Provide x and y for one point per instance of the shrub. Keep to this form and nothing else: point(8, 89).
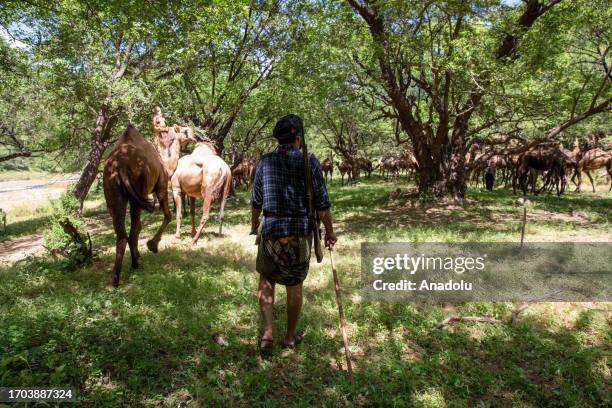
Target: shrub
point(63, 236)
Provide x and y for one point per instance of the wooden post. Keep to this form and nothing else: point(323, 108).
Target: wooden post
point(523, 225)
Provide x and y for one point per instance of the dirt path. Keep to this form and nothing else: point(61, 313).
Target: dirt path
point(20, 248)
point(23, 247)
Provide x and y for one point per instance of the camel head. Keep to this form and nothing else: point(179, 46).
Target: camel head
point(185, 134)
point(158, 119)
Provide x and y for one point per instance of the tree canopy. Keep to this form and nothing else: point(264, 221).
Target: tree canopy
point(431, 77)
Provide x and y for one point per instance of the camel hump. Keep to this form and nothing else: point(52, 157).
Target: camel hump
point(131, 133)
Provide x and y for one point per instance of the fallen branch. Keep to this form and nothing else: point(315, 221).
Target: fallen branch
point(515, 312)
point(485, 319)
point(452, 319)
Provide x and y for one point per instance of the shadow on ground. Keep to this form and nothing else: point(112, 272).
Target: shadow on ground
point(150, 343)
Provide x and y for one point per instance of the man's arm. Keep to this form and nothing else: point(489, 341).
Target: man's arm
point(321, 201)
point(330, 235)
point(256, 199)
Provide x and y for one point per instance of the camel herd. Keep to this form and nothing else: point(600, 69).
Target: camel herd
point(136, 168)
point(352, 167)
point(554, 163)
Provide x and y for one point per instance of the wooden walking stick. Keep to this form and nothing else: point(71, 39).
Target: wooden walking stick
point(347, 352)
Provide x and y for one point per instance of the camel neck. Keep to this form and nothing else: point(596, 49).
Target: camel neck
point(165, 142)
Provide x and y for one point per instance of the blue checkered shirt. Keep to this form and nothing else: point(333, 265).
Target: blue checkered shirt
point(279, 190)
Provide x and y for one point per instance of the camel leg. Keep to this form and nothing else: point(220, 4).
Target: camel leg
point(152, 244)
point(545, 182)
point(579, 173)
point(192, 212)
point(179, 213)
point(590, 179)
point(136, 227)
point(573, 179)
point(563, 182)
point(523, 180)
point(207, 196)
point(184, 200)
point(225, 191)
point(117, 211)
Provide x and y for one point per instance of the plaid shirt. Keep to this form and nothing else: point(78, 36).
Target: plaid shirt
point(279, 190)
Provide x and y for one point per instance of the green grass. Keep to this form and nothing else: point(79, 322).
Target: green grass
point(32, 223)
point(150, 342)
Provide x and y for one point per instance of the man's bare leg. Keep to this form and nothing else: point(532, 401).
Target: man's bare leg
point(294, 307)
point(266, 303)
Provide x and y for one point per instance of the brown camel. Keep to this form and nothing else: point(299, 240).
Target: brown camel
point(170, 148)
point(132, 171)
point(345, 167)
point(201, 174)
point(390, 165)
point(244, 172)
point(159, 123)
point(551, 160)
point(572, 157)
point(496, 163)
point(479, 168)
point(592, 160)
point(169, 139)
point(407, 162)
point(328, 167)
point(361, 163)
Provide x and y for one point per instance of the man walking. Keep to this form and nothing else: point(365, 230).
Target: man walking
point(283, 255)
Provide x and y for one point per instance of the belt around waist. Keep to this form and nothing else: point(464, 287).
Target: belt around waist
point(270, 214)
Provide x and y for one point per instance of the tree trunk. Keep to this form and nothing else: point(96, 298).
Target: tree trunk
point(442, 171)
point(99, 143)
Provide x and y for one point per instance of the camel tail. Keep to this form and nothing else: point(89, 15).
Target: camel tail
point(226, 186)
point(222, 179)
point(148, 205)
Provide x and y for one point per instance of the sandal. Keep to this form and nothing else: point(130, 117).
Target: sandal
point(296, 341)
point(265, 346)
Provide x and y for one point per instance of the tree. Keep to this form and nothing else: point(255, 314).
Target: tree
point(26, 130)
point(96, 54)
point(212, 76)
point(444, 68)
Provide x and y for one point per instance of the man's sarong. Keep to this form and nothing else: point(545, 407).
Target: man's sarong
point(284, 260)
